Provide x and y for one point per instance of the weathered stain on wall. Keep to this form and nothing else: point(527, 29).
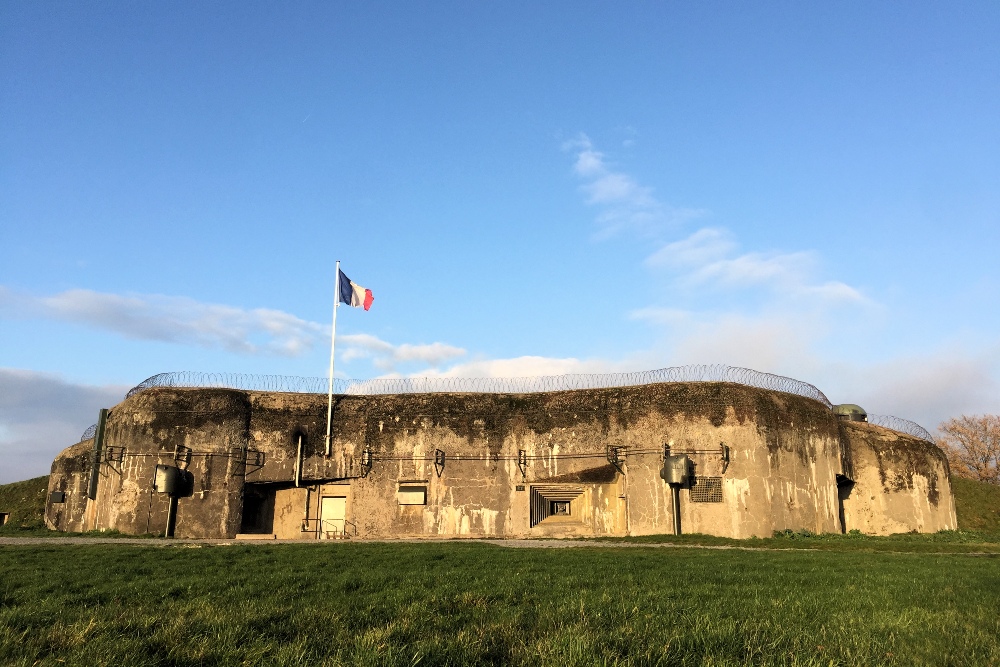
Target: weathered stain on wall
point(503, 465)
point(900, 484)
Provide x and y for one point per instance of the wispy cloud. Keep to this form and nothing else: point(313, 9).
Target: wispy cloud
point(711, 257)
point(927, 386)
point(387, 356)
point(173, 319)
point(773, 310)
point(526, 366)
point(624, 204)
point(182, 320)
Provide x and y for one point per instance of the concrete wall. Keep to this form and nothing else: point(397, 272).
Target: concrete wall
point(70, 474)
point(785, 455)
point(901, 483)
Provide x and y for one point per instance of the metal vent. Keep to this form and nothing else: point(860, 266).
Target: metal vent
point(706, 489)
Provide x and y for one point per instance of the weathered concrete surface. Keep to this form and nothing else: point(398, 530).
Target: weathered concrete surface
point(70, 474)
point(901, 483)
point(786, 453)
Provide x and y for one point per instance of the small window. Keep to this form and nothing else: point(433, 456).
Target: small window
point(559, 508)
point(58, 497)
point(706, 489)
point(411, 495)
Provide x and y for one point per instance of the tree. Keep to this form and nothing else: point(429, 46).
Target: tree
point(973, 446)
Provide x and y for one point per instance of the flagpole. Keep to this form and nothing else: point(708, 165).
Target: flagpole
point(333, 341)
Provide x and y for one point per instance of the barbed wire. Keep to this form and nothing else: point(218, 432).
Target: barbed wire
point(901, 425)
point(89, 433)
point(485, 385)
point(514, 385)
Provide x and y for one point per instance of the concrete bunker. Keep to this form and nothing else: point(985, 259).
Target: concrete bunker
point(582, 462)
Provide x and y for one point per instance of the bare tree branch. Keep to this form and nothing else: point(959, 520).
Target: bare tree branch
point(972, 445)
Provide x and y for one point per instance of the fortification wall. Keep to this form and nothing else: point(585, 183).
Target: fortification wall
point(69, 476)
point(785, 453)
point(901, 483)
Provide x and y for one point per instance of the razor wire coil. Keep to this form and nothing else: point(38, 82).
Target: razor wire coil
point(507, 385)
point(484, 385)
point(901, 425)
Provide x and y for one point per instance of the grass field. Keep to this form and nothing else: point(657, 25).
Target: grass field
point(791, 599)
point(977, 505)
point(25, 501)
point(459, 603)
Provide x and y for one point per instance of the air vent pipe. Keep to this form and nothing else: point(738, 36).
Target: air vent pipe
point(675, 473)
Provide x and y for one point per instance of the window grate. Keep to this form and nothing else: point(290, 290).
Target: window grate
point(706, 489)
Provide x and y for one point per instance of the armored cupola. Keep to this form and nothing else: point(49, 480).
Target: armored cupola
point(850, 412)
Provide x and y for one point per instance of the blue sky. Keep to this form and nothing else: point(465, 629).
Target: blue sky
point(806, 189)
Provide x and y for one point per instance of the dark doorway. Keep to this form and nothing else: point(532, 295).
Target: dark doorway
point(258, 509)
point(844, 487)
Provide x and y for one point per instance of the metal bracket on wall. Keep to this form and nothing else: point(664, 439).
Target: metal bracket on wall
point(182, 454)
point(522, 463)
point(725, 456)
point(366, 461)
point(616, 457)
point(114, 456)
point(254, 460)
point(439, 461)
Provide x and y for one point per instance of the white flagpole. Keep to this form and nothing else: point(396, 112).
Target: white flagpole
point(333, 341)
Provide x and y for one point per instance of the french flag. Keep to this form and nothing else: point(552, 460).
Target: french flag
point(353, 294)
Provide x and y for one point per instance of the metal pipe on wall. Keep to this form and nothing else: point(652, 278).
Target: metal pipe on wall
point(171, 517)
point(676, 498)
point(305, 511)
point(95, 466)
point(298, 464)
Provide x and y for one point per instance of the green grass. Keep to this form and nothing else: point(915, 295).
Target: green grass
point(801, 599)
point(25, 501)
point(460, 603)
point(977, 505)
point(946, 541)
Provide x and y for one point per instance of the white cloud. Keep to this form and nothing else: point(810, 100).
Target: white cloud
point(387, 356)
point(661, 315)
point(709, 257)
point(704, 246)
point(779, 343)
point(526, 366)
point(42, 414)
point(786, 317)
point(624, 203)
point(928, 388)
point(186, 321)
point(174, 319)
point(835, 291)
point(755, 268)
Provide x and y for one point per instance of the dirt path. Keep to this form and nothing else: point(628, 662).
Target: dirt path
point(511, 544)
point(188, 542)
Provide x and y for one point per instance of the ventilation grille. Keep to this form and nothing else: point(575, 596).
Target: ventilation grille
point(706, 490)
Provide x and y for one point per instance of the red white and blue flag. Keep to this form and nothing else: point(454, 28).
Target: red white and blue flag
point(353, 294)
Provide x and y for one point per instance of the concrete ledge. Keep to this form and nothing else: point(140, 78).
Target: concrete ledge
point(256, 536)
